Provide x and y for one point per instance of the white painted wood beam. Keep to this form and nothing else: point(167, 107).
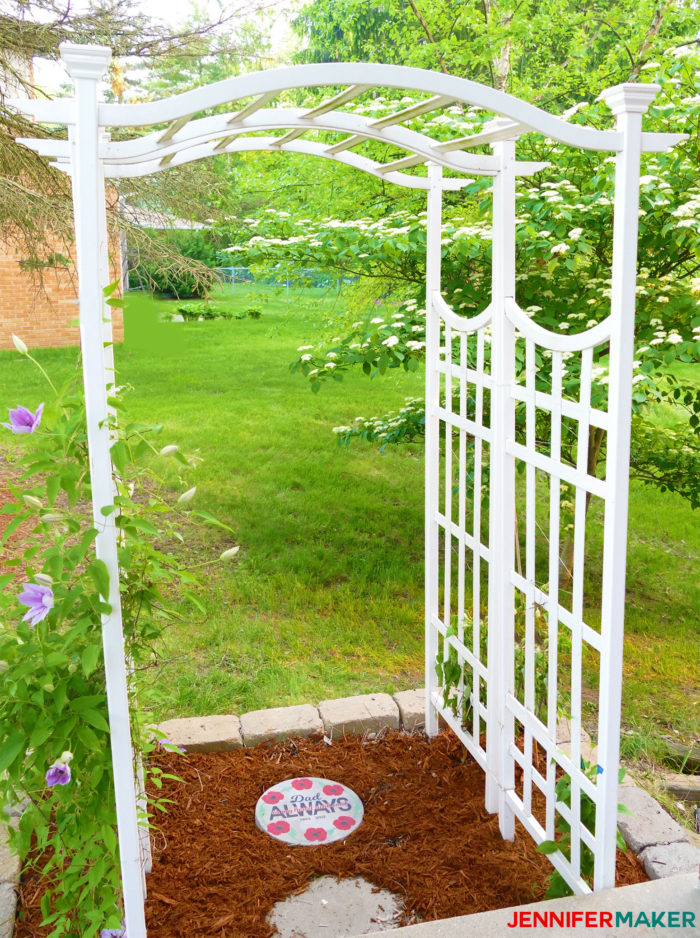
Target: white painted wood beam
point(377, 75)
point(264, 144)
point(269, 84)
point(408, 113)
point(45, 112)
point(405, 163)
point(338, 100)
point(353, 141)
point(254, 106)
point(176, 125)
point(46, 146)
point(289, 136)
point(504, 131)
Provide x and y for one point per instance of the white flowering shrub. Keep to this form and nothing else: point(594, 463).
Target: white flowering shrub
point(564, 253)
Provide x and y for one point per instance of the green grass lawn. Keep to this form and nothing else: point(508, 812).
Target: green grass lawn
point(326, 597)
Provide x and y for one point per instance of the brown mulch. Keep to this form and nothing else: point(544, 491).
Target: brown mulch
point(425, 836)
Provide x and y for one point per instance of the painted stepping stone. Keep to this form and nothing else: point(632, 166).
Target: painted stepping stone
point(309, 811)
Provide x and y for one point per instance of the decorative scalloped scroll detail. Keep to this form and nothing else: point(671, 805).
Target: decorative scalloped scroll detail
point(554, 340)
point(461, 323)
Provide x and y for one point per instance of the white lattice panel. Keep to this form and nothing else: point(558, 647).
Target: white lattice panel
point(461, 519)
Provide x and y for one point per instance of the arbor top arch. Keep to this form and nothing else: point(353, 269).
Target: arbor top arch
point(190, 137)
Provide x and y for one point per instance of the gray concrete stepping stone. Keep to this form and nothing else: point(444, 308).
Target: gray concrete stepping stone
point(332, 909)
point(9, 861)
point(683, 787)
point(648, 823)
point(8, 900)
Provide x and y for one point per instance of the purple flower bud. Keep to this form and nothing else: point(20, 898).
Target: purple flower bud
point(114, 932)
point(23, 420)
point(58, 774)
point(168, 743)
point(40, 602)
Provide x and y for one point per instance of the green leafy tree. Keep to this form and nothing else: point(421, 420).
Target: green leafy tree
point(235, 46)
point(564, 249)
point(548, 53)
point(36, 214)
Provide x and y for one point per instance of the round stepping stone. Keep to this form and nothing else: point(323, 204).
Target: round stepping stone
point(309, 811)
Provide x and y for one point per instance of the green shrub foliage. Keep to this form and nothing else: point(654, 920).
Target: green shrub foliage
point(55, 759)
point(179, 282)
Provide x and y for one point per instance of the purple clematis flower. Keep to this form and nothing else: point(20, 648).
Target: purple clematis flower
point(58, 774)
point(40, 602)
point(164, 741)
point(23, 420)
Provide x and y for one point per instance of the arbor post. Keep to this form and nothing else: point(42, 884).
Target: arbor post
point(628, 102)
point(86, 65)
point(433, 258)
point(499, 730)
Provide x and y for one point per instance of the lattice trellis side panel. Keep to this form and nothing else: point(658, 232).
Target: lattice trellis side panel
point(557, 497)
point(460, 524)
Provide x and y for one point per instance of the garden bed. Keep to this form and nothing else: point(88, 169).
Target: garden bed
point(426, 837)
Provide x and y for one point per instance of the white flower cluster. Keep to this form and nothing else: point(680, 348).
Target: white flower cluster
point(688, 213)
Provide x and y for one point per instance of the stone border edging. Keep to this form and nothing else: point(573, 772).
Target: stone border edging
point(9, 880)
point(661, 843)
point(366, 713)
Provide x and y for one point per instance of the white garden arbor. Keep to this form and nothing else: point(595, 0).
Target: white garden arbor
point(457, 553)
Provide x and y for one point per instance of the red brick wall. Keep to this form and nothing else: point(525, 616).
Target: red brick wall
point(41, 315)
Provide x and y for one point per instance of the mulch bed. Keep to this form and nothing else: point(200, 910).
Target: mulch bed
point(425, 836)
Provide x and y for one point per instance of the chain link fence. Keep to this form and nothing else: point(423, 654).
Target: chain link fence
point(283, 277)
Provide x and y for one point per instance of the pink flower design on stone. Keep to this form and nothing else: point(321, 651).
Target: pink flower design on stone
point(301, 784)
point(333, 789)
point(272, 797)
point(344, 823)
point(278, 827)
point(316, 834)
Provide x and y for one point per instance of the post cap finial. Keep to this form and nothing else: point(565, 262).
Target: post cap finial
point(85, 61)
point(630, 97)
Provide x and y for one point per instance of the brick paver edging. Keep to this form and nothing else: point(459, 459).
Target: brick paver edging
point(661, 843)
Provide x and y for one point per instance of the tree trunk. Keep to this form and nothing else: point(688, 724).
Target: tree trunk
point(595, 443)
point(500, 66)
point(651, 35)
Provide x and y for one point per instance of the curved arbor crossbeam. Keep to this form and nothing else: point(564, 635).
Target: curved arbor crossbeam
point(189, 137)
point(476, 437)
